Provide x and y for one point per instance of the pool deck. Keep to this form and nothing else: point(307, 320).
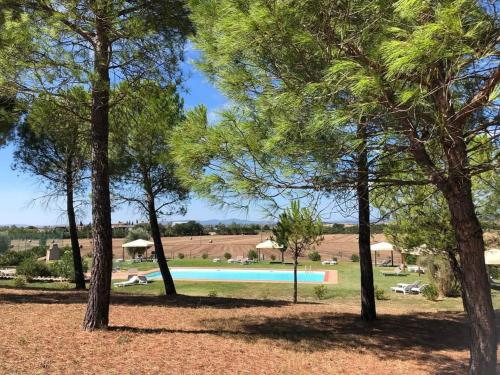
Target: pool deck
point(331, 276)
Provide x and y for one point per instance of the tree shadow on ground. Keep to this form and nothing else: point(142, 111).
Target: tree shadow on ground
point(51, 296)
point(417, 336)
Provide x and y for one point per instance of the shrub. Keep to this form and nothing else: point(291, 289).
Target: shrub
point(204, 256)
point(439, 270)
point(494, 272)
point(4, 242)
point(380, 294)
point(65, 266)
point(314, 256)
point(30, 268)
point(252, 254)
point(354, 258)
point(180, 255)
point(20, 281)
point(227, 255)
point(431, 292)
point(212, 293)
point(273, 257)
point(411, 259)
point(320, 291)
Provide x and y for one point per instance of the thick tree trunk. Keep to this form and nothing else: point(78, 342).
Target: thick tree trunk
point(295, 263)
point(475, 284)
point(97, 314)
point(73, 233)
point(168, 281)
point(368, 309)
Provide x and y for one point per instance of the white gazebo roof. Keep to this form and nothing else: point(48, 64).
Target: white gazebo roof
point(492, 256)
point(268, 244)
point(382, 246)
point(139, 243)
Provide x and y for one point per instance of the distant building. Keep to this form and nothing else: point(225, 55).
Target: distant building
point(122, 225)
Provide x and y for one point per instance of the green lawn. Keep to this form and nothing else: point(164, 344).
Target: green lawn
point(346, 291)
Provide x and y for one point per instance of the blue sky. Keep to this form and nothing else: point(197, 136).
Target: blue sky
point(19, 192)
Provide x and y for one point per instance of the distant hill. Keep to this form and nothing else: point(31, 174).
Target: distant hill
point(231, 221)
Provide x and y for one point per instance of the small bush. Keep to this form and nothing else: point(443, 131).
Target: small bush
point(431, 292)
point(411, 259)
point(494, 272)
point(180, 255)
point(335, 259)
point(65, 267)
point(320, 291)
point(20, 281)
point(314, 256)
point(252, 254)
point(14, 258)
point(354, 258)
point(212, 293)
point(32, 268)
point(227, 255)
point(273, 257)
point(380, 294)
point(204, 256)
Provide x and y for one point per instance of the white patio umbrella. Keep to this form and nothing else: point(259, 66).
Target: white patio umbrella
point(267, 244)
point(140, 243)
point(383, 246)
point(492, 257)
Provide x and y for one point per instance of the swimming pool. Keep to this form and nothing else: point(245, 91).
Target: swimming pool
point(218, 274)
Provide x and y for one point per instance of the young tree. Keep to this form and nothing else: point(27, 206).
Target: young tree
point(142, 127)
point(79, 41)
point(302, 232)
point(52, 145)
point(280, 235)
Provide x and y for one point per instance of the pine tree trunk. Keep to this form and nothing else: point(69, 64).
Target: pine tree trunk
point(97, 314)
point(368, 308)
point(73, 233)
point(295, 263)
point(168, 281)
point(474, 278)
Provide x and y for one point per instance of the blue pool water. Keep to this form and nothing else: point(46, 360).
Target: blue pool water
point(240, 275)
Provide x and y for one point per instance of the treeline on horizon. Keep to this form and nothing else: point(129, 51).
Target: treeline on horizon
point(190, 228)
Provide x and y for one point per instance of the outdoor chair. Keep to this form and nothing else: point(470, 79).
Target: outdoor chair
point(419, 288)
point(397, 272)
point(385, 263)
point(405, 288)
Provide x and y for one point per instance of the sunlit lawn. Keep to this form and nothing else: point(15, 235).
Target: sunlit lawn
point(346, 291)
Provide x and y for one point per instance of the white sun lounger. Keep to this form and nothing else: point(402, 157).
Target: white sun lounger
point(405, 288)
point(132, 281)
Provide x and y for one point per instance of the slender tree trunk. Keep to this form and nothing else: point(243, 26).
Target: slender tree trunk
point(282, 257)
point(168, 281)
point(368, 308)
point(295, 263)
point(476, 291)
point(73, 233)
point(97, 314)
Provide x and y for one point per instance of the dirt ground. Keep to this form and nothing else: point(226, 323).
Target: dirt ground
point(341, 246)
point(41, 333)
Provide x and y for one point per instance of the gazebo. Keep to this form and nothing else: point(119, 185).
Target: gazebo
point(383, 246)
point(140, 244)
point(267, 244)
point(492, 257)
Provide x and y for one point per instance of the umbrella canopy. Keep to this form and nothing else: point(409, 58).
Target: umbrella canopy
point(492, 257)
point(382, 246)
point(268, 244)
point(139, 243)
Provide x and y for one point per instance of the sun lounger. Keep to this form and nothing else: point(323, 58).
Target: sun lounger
point(385, 263)
point(397, 272)
point(232, 261)
point(405, 288)
point(216, 260)
point(132, 281)
point(329, 262)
